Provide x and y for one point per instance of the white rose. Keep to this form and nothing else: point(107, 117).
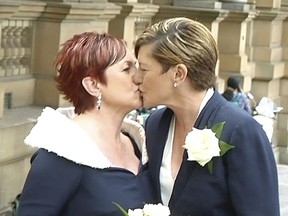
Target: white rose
point(201, 145)
point(156, 210)
point(135, 212)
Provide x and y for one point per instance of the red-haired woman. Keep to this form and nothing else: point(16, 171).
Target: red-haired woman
point(95, 157)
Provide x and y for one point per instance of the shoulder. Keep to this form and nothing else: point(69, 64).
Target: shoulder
point(44, 163)
point(241, 96)
point(158, 121)
point(237, 122)
point(157, 125)
point(160, 114)
point(228, 94)
point(245, 133)
point(50, 170)
point(52, 181)
point(56, 133)
point(236, 118)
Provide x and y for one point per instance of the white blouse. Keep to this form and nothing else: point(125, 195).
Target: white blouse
point(166, 179)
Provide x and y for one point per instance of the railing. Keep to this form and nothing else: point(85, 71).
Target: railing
point(15, 48)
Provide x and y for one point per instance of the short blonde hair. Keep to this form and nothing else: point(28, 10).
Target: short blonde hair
point(183, 41)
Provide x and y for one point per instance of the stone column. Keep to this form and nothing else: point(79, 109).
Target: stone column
point(56, 23)
point(230, 25)
point(2, 92)
point(232, 43)
point(132, 20)
point(282, 129)
point(209, 16)
point(267, 55)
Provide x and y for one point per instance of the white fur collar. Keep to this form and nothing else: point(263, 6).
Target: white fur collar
point(55, 132)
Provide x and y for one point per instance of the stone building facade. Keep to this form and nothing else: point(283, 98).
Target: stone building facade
point(252, 36)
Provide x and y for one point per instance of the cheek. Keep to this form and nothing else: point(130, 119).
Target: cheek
point(126, 81)
point(121, 86)
point(150, 80)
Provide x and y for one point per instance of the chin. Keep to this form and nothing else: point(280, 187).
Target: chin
point(137, 105)
point(147, 105)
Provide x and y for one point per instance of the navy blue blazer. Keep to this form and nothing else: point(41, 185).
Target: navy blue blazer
point(244, 180)
point(57, 186)
point(70, 175)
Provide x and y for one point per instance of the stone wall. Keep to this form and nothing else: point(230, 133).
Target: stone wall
point(14, 160)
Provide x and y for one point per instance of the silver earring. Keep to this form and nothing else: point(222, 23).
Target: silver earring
point(99, 101)
point(175, 85)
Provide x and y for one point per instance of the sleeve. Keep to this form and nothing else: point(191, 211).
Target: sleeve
point(252, 171)
point(51, 182)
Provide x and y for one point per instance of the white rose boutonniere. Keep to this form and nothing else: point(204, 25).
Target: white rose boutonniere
point(148, 210)
point(203, 145)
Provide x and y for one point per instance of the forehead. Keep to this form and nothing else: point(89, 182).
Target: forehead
point(145, 54)
point(129, 57)
point(128, 60)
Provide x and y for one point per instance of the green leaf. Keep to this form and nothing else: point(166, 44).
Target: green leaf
point(224, 147)
point(125, 213)
point(217, 129)
point(210, 166)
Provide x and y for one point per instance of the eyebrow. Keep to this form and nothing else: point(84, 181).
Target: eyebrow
point(143, 64)
point(129, 63)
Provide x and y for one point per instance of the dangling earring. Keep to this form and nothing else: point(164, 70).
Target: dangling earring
point(99, 101)
point(175, 85)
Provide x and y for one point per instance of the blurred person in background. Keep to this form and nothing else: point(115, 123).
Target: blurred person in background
point(234, 94)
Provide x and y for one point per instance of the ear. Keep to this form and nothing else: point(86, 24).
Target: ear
point(180, 73)
point(91, 86)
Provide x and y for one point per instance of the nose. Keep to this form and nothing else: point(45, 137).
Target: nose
point(138, 77)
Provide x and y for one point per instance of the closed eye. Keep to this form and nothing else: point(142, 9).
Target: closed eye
point(127, 69)
point(143, 69)
point(130, 68)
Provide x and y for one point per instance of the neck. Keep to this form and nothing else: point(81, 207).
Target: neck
point(186, 109)
point(101, 124)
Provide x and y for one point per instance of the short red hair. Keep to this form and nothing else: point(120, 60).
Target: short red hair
point(83, 55)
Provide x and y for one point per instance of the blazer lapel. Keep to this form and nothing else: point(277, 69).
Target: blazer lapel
point(208, 113)
point(157, 129)
point(185, 172)
point(187, 168)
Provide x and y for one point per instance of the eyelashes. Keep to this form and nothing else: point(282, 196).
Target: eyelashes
point(127, 69)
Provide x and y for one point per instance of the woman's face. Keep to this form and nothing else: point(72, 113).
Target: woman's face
point(155, 86)
point(121, 91)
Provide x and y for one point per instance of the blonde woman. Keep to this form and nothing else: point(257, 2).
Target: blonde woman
point(196, 174)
